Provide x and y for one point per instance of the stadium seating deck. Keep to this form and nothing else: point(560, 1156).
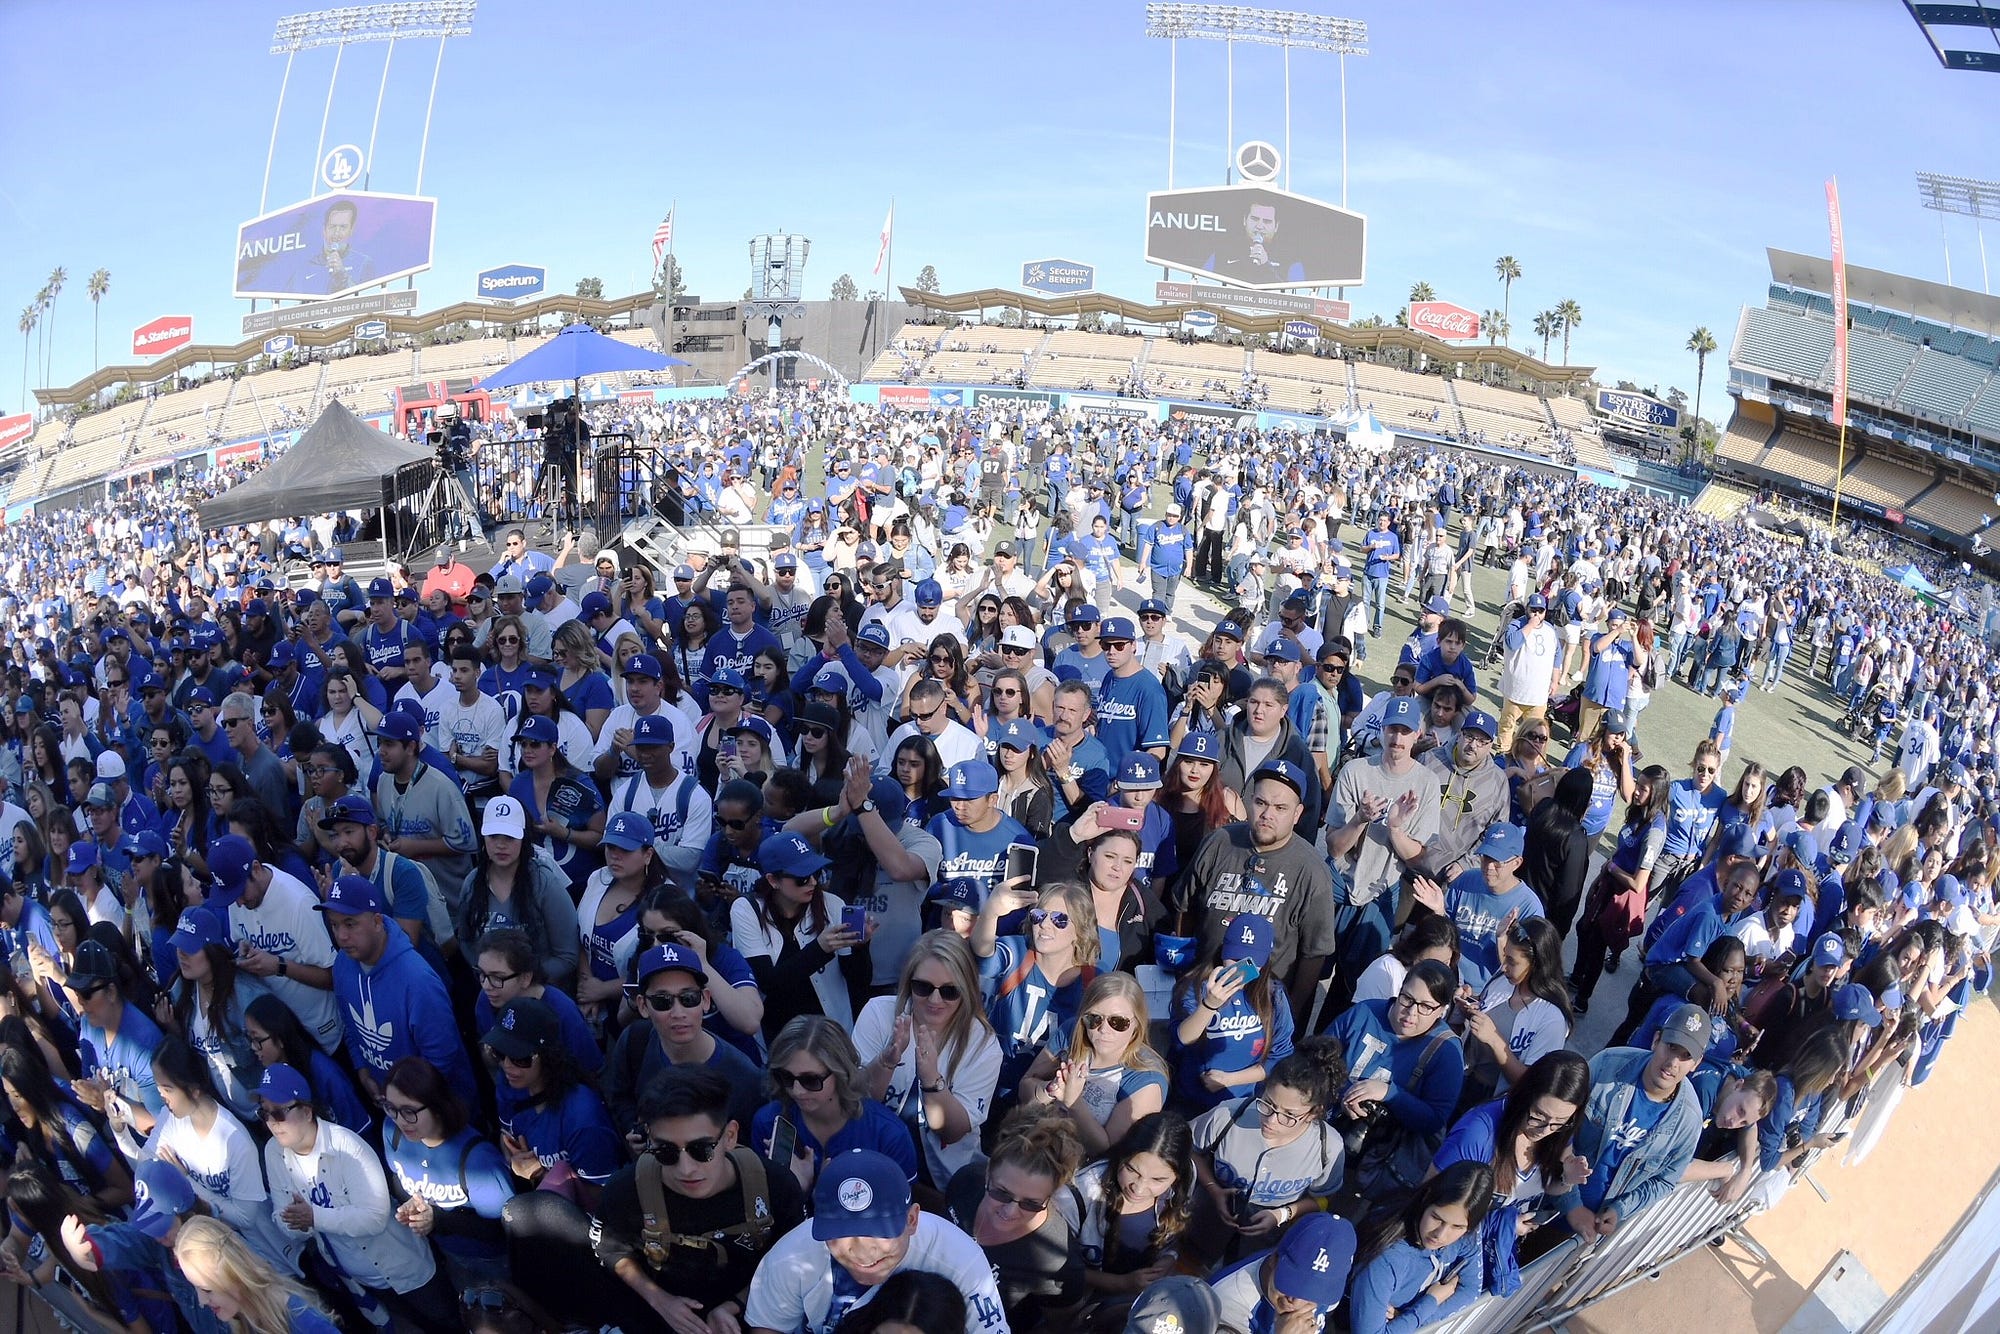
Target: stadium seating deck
point(1570, 413)
point(1506, 431)
point(1371, 375)
point(383, 368)
point(1955, 508)
point(111, 422)
point(193, 410)
point(1876, 364)
point(1942, 384)
point(1743, 440)
point(971, 367)
point(1209, 357)
point(1721, 499)
point(1506, 402)
point(1809, 461)
point(478, 354)
point(1794, 346)
point(1884, 483)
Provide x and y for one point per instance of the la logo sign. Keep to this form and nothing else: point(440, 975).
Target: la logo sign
point(169, 333)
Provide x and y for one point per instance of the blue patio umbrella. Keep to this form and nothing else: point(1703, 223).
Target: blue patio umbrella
point(578, 351)
point(1910, 577)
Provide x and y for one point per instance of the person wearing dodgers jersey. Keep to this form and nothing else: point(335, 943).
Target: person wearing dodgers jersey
point(864, 1229)
point(974, 834)
point(1132, 707)
point(1305, 1274)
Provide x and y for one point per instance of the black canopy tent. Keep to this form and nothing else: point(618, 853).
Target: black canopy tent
point(339, 463)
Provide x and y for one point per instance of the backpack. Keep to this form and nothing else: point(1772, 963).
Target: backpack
point(436, 915)
point(1378, 1146)
point(680, 802)
point(656, 1230)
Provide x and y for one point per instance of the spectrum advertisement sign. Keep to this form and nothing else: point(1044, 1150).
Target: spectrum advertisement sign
point(335, 244)
point(513, 282)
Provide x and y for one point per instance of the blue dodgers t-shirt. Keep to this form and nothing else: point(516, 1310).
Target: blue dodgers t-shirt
point(1132, 713)
point(1610, 675)
point(1234, 1040)
point(1690, 935)
point(973, 855)
point(1167, 554)
point(1383, 548)
point(1478, 912)
point(576, 1131)
point(876, 1128)
point(1691, 816)
point(1603, 790)
point(464, 1172)
point(1024, 1005)
point(506, 684)
point(1640, 1117)
point(125, 1062)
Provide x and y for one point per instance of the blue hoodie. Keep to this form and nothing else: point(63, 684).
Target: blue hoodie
point(1397, 1278)
point(399, 1008)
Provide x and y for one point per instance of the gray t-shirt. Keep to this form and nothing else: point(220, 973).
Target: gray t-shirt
point(1297, 894)
point(431, 807)
point(1233, 1137)
point(1372, 867)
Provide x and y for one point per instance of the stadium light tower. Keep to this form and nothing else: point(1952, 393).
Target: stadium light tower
point(1967, 198)
point(1283, 28)
point(339, 28)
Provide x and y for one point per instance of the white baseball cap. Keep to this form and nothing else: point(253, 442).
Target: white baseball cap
point(1017, 636)
point(504, 816)
point(110, 764)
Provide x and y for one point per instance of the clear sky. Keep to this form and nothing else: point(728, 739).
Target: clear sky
point(1635, 157)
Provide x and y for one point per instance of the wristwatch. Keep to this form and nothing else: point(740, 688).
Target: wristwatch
point(281, 968)
point(867, 804)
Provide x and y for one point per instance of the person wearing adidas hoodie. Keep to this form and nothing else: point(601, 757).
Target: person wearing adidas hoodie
point(392, 1002)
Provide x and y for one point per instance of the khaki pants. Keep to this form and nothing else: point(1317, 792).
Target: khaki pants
point(1588, 716)
point(1511, 717)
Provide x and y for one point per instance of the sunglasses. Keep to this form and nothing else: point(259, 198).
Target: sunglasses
point(814, 730)
point(663, 1002)
point(1012, 649)
point(1334, 668)
point(271, 1114)
point(737, 824)
point(514, 1062)
point(1004, 1197)
point(669, 1153)
point(1152, 616)
point(923, 990)
point(1119, 1023)
point(1055, 917)
point(506, 639)
point(786, 1079)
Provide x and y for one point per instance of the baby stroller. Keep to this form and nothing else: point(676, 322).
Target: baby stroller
point(1497, 650)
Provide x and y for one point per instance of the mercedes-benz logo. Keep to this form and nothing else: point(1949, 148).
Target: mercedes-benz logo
point(1257, 161)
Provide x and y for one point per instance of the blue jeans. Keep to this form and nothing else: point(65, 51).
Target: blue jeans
point(1378, 598)
point(1775, 671)
point(1677, 651)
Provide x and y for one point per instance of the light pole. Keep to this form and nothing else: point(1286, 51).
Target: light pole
point(1966, 197)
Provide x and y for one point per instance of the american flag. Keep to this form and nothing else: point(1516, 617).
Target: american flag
point(663, 239)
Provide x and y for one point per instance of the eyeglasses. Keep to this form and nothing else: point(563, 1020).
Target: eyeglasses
point(663, 1002)
point(504, 640)
point(1536, 1121)
point(487, 979)
point(1003, 1197)
point(669, 1153)
point(1419, 1006)
point(1054, 917)
point(1284, 1116)
point(221, 790)
point(272, 1114)
point(405, 1114)
point(1120, 1023)
point(1152, 616)
point(923, 990)
point(785, 1079)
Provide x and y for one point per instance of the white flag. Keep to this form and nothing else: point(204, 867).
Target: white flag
point(888, 226)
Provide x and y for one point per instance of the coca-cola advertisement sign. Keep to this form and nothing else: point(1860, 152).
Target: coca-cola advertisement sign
point(1441, 319)
point(166, 334)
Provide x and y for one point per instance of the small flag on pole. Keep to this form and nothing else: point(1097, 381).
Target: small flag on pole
point(663, 239)
point(888, 226)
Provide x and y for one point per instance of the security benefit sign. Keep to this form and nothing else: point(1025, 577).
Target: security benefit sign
point(1058, 276)
point(1256, 236)
point(334, 244)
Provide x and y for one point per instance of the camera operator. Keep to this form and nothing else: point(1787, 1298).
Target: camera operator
point(456, 448)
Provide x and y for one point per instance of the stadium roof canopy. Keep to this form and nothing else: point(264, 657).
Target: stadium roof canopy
point(1955, 307)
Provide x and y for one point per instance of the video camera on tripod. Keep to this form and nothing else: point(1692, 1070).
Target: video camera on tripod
point(451, 439)
point(564, 431)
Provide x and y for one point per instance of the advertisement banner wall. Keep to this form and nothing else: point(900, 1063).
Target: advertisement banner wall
point(1058, 276)
point(1638, 408)
point(14, 430)
point(334, 244)
point(1277, 303)
point(513, 282)
point(169, 333)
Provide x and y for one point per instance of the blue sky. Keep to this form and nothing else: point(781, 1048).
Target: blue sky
point(1635, 157)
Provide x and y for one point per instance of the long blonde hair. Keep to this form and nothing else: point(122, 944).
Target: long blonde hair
point(1077, 901)
point(213, 1256)
point(1139, 1053)
point(949, 949)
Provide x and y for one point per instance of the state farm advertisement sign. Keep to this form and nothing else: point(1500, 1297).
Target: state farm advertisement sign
point(13, 430)
point(1441, 319)
point(169, 333)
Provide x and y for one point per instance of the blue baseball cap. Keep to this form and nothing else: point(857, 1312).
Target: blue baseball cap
point(333, 556)
point(1437, 606)
point(1854, 1001)
point(683, 572)
point(1502, 841)
point(1230, 626)
point(354, 896)
point(652, 730)
point(281, 656)
point(229, 861)
point(540, 678)
point(874, 633)
point(1950, 889)
point(594, 605)
point(784, 561)
point(1536, 602)
point(161, 1193)
point(399, 726)
point(1201, 744)
point(82, 856)
point(197, 929)
point(628, 830)
point(1314, 1259)
point(282, 1086)
point(350, 809)
point(1152, 607)
point(929, 593)
point(1403, 711)
point(670, 958)
point(1480, 721)
point(1829, 951)
point(1138, 770)
point(1116, 628)
point(1789, 883)
point(889, 798)
point(1247, 937)
point(1083, 613)
point(643, 664)
point(201, 696)
point(960, 892)
point(728, 678)
point(145, 843)
point(540, 586)
point(380, 588)
point(786, 853)
point(970, 779)
point(1739, 841)
point(860, 1193)
point(540, 727)
point(831, 679)
point(1020, 733)
point(1284, 771)
point(760, 727)
point(1801, 844)
point(1283, 649)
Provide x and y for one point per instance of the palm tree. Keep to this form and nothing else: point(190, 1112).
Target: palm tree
point(1701, 342)
point(1422, 291)
point(1571, 315)
point(1508, 268)
point(57, 277)
point(100, 283)
point(1496, 326)
point(42, 336)
point(1547, 325)
point(29, 318)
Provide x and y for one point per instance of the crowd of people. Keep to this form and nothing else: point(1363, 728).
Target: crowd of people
point(909, 926)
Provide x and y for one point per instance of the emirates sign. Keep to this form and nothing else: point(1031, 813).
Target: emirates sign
point(169, 333)
point(1441, 319)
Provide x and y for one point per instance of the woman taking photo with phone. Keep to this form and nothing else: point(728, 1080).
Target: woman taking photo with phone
point(1264, 1160)
point(1230, 1024)
point(819, 1107)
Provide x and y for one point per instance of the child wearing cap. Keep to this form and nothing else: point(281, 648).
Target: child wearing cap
point(1231, 1024)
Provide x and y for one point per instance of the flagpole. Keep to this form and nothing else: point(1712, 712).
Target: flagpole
point(672, 209)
